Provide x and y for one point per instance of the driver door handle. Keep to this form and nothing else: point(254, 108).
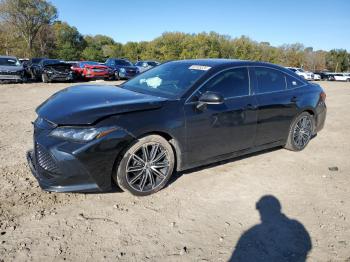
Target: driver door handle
point(294, 99)
point(250, 107)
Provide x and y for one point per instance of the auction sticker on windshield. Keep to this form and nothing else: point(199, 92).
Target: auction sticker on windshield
point(199, 67)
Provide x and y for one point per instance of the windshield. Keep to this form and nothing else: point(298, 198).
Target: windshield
point(169, 80)
point(301, 70)
point(88, 63)
point(123, 63)
point(9, 62)
point(51, 61)
point(152, 63)
point(36, 60)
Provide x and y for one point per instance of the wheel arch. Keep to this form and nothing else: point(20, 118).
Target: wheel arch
point(174, 145)
point(308, 110)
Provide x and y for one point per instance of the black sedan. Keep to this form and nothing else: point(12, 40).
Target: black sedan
point(48, 70)
point(176, 116)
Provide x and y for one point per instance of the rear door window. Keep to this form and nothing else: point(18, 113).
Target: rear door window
point(269, 80)
point(292, 82)
point(230, 83)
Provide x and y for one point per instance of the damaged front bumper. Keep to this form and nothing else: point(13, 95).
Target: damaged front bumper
point(11, 77)
point(66, 166)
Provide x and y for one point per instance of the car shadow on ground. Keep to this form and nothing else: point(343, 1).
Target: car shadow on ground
point(116, 189)
point(276, 238)
point(177, 175)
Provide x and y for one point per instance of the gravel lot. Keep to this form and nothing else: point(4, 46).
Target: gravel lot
point(200, 216)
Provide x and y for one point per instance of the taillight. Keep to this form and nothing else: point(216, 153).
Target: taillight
point(323, 96)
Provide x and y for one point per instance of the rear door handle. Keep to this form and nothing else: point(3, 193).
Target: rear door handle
point(294, 99)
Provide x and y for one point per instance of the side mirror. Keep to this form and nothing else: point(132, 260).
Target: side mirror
point(209, 98)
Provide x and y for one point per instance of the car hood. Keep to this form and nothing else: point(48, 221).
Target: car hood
point(86, 104)
point(57, 65)
point(128, 67)
point(96, 66)
point(10, 68)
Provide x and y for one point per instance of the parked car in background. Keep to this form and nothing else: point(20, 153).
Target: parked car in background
point(301, 72)
point(341, 77)
point(48, 70)
point(173, 117)
point(32, 67)
point(89, 70)
point(122, 68)
point(11, 69)
point(317, 77)
point(145, 65)
point(325, 76)
point(23, 61)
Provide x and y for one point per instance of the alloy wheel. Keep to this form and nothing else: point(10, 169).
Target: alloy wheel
point(302, 132)
point(147, 167)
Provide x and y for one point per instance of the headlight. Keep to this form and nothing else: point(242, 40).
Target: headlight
point(81, 134)
point(122, 70)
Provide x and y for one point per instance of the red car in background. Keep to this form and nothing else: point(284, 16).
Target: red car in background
point(92, 70)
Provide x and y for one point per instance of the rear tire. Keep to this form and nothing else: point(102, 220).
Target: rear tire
point(300, 132)
point(146, 166)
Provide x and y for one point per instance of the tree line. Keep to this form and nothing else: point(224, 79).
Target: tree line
point(30, 28)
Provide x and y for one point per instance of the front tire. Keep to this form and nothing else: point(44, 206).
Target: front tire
point(44, 78)
point(116, 76)
point(146, 166)
point(300, 132)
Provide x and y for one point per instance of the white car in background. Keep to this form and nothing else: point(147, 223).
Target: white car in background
point(317, 77)
point(341, 77)
point(299, 71)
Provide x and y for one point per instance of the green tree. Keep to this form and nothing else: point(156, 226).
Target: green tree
point(99, 47)
point(45, 42)
point(293, 55)
point(69, 43)
point(132, 51)
point(27, 17)
point(337, 60)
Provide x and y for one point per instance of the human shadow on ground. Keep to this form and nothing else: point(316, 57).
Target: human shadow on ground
point(276, 238)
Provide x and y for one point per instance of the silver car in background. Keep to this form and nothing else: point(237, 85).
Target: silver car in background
point(145, 65)
point(11, 69)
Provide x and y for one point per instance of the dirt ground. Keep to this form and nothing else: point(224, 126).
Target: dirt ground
point(201, 216)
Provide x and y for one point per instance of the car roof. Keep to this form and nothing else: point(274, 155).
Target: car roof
point(226, 62)
point(125, 59)
point(87, 61)
point(51, 59)
point(8, 57)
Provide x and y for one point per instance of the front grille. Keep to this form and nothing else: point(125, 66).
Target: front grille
point(7, 73)
point(10, 77)
point(45, 160)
